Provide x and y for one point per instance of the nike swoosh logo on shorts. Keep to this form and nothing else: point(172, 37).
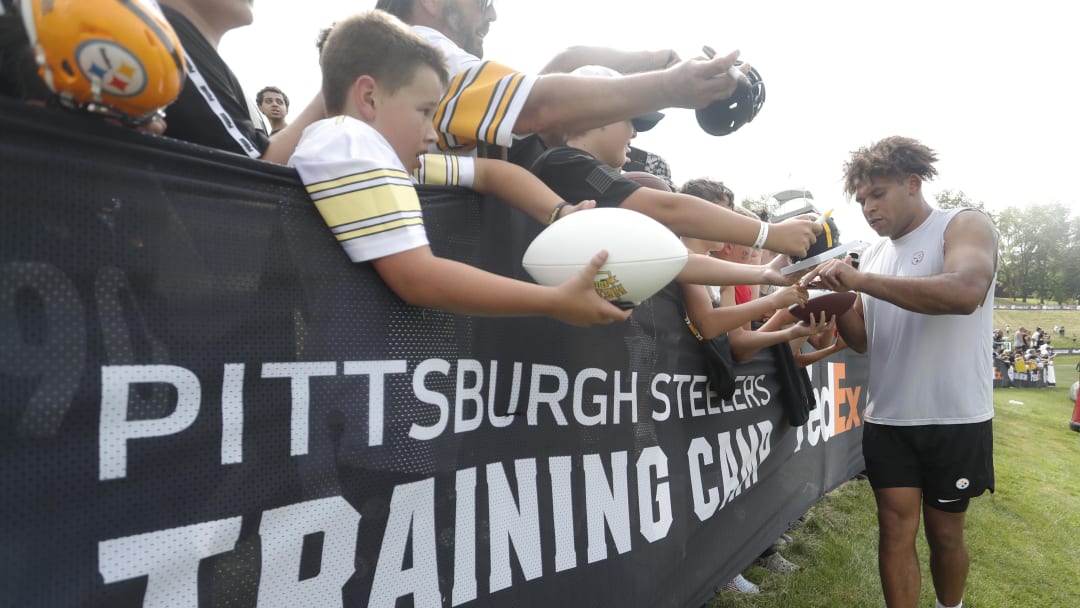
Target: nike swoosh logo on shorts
point(950, 500)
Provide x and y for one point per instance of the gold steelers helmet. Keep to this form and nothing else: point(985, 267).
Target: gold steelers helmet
point(116, 57)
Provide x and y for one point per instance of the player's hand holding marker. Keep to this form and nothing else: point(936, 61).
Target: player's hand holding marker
point(834, 275)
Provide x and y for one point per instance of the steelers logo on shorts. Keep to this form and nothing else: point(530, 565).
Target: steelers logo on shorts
point(962, 483)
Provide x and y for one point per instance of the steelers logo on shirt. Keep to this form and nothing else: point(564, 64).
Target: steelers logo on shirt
point(962, 483)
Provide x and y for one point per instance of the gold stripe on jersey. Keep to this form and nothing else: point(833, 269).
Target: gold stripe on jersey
point(379, 228)
point(439, 170)
point(512, 85)
point(475, 106)
point(357, 178)
point(368, 204)
point(447, 105)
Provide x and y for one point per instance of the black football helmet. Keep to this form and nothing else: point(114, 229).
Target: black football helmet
point(728, 115)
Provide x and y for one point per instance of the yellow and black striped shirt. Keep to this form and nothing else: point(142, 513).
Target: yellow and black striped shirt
point(483, 101)
point(362, 190)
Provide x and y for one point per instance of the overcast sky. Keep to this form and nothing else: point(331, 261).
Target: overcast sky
point(992, 86)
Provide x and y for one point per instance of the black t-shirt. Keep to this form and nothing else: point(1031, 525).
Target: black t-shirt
point(525, 150)
point(18, 70)
point(190, 118)
point(575, 175)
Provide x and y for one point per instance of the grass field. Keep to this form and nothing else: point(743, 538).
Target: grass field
point(1022, 539)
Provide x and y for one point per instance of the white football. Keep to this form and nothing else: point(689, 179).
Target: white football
point(643, 255)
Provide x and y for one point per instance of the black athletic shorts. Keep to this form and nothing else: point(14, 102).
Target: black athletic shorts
point(950, 462)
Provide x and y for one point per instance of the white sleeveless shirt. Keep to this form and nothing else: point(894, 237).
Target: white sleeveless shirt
point(925, 369)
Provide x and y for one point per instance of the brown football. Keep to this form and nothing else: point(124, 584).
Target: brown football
point(833, 304)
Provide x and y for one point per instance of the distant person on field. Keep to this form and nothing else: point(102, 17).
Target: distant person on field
point(384, 82)
point(925, 313)
point(274, 105)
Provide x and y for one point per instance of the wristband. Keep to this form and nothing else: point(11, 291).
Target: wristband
point(555, 212)
point(763, 233)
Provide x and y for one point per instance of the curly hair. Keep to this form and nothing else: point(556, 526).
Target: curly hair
point(710, 190)
point(895, 157)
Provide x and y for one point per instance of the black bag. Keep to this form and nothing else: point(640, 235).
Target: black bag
point(796, 393)
point(719, 364)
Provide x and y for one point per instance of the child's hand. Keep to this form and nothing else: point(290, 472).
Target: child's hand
point(792, 236)
point(579, 304)
point(786, 296)
point(828, 329)
point(814, 326)
point(568, 209)
point(770, 273)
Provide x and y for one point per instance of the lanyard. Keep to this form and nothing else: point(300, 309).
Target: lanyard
point(216, 108)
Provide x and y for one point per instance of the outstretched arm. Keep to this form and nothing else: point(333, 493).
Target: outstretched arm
point(746, 342)
point(517, 187)
point(691, 216)
point(624, 62)
point(707, 270)
point(420, 278)
point(712, 322)
point(574, 103)
point(804, 359)
point(961, 287)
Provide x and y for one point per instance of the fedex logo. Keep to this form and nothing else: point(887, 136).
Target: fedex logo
point(839, 407)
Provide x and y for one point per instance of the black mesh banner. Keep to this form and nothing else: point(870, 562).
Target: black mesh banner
point(205, 404)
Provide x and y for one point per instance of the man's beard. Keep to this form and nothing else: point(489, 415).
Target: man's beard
point(457, 24)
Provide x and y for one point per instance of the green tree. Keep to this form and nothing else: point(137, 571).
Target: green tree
point(760, 204)
point(953, 199)
point(770, 203)
point(1014, 251)
point(1053, 238)
point(1035, 247)
point(1068, 288)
